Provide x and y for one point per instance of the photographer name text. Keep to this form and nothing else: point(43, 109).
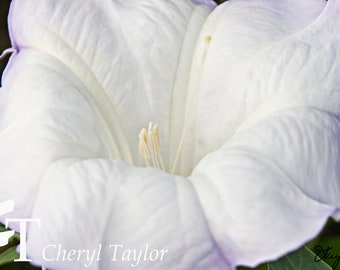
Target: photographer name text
point(119, 253)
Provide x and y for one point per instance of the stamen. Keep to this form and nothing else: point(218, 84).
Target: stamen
point(152, 146)
point(6, 52)
point(156, 132)
point(149, 146)
point(143, 146)
point(158, 142)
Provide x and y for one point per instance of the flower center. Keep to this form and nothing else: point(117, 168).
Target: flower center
point(149, 144)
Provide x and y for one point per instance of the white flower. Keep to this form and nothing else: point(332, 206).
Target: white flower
point(247, 103)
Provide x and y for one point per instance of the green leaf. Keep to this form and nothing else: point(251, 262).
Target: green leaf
point(16, 235)
point(8, 256)
point(2, 228)
point(301, 259)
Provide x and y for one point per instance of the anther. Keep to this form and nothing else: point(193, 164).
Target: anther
point(156, 132)
point(143, 146)
point(157, 139)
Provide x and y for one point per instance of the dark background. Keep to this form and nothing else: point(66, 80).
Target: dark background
point(4, 39)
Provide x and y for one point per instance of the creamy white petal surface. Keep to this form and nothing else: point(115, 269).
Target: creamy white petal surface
point(276, 98)
point(249, 95)
point(265, 56)
point(132, 57)
point(108, 202)
point(270, 186)
point(88, 78)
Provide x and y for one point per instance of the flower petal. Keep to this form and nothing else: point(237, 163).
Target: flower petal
point(272, 187)
point(264, 56)
point(274, 180)
point(134, 69)
point(85, 203)
point(41, 127)
point(85, 79)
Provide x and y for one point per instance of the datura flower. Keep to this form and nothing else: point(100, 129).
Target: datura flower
point(209, 133)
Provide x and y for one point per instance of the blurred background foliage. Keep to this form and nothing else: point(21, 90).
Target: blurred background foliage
point(329, 237)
